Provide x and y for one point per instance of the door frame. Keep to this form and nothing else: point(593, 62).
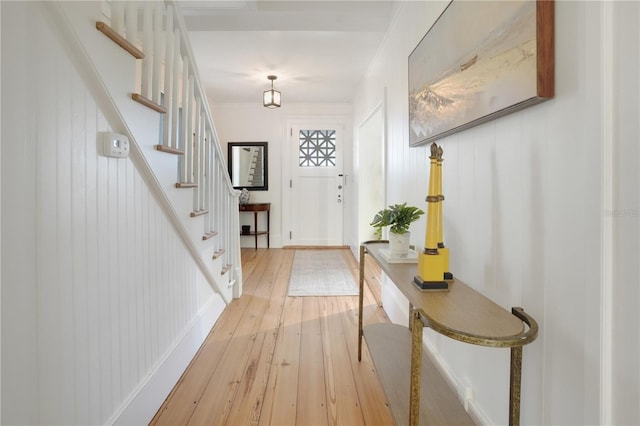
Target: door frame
point(347, 152)
point(365, 217)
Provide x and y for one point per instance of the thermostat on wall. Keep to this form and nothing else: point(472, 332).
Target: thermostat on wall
point(115, 145)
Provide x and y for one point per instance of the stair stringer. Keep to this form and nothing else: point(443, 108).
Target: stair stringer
point(109, 72)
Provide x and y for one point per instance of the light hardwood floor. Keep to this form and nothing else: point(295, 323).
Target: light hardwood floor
point(277, 360)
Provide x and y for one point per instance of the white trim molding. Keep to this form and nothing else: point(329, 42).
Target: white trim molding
point(607, 187)
point(141, 406)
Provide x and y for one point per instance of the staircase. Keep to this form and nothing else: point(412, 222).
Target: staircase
point(117, 268)
point(175, 140)
point(256, 173)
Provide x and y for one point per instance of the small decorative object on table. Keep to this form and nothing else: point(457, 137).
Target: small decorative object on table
point(433, 262)
point(246, 229)
point(245, 195)
point(399, 217)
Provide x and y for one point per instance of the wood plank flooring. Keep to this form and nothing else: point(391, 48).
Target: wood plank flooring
point(277, 360)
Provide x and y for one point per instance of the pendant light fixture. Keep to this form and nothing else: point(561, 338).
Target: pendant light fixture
point(271, 98)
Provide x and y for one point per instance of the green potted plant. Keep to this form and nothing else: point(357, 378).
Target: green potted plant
point(399, 217)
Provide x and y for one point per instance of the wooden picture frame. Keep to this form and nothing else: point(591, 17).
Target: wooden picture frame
point(248, 164)
point(480, 61)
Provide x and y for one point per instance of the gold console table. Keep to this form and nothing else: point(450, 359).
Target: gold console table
point(460, 313)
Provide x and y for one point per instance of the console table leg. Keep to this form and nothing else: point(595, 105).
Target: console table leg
point(411, 317)
point(255, 227)
point(416, 367)
point(360, 301)
point(514, 386)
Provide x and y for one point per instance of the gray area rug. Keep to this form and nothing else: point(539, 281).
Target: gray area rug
point(321, 273)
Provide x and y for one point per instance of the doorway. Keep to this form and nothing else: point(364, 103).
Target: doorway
point(371, 170)
point(314, 195)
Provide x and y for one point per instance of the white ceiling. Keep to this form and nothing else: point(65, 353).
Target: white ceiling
point(319, 49)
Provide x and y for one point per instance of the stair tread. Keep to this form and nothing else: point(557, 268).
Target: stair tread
point(119, 40)
point(169, 150)
point(148, 103)
point(186, 185)
point(209, 235)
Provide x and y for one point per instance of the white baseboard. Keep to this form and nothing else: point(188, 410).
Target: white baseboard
point(395, 304)
point(462, 389)
point(143, 404)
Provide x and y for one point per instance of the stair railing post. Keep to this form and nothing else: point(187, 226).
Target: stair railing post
point(226, 226)
point(189, 127)
point(198, 163)
point(147, 46)
point(207, 181)
point(213, 181)
point(131, 22)
point(206, 161)
point(175, 73)
point(202, 162)
point(218, 207)
point(117, 16)
point(196, 155)
point(237, 256)
point(168, 79)
point(185, 137)
point(155, 88)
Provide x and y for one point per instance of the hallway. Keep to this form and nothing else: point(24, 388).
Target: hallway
point(273, 359)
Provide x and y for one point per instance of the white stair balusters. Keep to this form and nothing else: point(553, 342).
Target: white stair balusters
point(169, 79)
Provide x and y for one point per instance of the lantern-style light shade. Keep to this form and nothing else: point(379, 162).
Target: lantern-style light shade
point(271, 98)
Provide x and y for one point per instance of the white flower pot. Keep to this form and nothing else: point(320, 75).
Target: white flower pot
point(399, 243)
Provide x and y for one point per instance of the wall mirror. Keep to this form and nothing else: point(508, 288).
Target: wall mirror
point(248, 165)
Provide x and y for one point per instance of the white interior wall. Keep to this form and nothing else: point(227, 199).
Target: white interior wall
point(528, 233)
point(102, 304)
point(0, 220)
point(524, 218)
point(253, 122)
point(623, 216)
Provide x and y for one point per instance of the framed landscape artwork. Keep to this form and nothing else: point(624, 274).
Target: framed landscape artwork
point(480, 60)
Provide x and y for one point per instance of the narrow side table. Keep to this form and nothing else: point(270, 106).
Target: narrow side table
point(462, 314)
point(256, 208)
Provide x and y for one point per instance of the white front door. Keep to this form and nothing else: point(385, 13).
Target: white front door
point(316, 188)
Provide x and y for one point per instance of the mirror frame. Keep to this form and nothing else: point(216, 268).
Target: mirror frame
point(265, 157)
